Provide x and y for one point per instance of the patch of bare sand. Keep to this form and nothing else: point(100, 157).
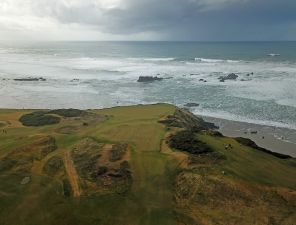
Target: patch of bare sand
point(72, 174)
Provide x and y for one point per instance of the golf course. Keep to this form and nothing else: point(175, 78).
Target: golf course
point(137, 165)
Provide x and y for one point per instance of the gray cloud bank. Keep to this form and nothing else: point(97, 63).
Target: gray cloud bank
point(201, 20)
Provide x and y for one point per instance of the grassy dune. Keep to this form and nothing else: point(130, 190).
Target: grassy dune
point(61, 174)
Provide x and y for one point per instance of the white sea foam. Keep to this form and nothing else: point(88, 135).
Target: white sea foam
point(104, 81)
point(273, 54)
point(237, 118)
point(216, 60)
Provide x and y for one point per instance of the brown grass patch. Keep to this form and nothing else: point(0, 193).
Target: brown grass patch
point(72, 175)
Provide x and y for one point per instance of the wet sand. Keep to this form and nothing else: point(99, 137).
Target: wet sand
point(281, 140)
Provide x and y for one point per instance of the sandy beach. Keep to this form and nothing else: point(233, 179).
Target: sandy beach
point(281, 140)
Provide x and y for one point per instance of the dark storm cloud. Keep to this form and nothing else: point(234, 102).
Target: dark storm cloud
point(165, 19)
point(207, 20)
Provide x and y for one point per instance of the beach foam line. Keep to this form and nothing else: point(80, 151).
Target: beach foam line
point(216, 60)
point(273, 54)
point(237, 118)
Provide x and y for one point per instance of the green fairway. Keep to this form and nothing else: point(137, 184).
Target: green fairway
point(61, 174)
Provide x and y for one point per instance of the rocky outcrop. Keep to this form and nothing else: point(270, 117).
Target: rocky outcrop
point(231, 76)
point(30, 79)
point(149, 79)
point(186, 120)
point(191, 104)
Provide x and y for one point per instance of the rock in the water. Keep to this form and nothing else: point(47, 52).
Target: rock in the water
point(192, 104)
point(231, 76)
point(25, 180)
point(149, 79)
point(30, 79)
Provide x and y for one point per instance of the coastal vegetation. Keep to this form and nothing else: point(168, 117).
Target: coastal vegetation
point(39, 118)
point(137, 165)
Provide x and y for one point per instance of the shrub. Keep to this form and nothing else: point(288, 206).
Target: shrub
point(124, 169)
point(187, 141)
point(53, 165)
point(38, 118)
point(100, 171)
point(67, 188)
point(117, 152)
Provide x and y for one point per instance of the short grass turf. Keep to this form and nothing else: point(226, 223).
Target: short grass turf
point(151, 198)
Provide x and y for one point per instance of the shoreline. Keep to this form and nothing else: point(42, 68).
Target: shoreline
point(275, 139)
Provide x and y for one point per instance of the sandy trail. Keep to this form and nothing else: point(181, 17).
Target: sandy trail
point(72, 174)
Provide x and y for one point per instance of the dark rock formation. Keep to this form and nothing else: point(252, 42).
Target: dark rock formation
point(186, 120)
point(30, 79)
point(231, 76)
point(192, 104)
point(149, 79)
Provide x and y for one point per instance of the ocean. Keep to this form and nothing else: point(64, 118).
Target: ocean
point(104, 74)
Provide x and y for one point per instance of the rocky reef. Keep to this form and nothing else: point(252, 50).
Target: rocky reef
point(149, 79)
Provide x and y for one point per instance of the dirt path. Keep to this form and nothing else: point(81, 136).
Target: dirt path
point(72, 174)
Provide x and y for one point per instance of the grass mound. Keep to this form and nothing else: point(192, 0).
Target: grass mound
point(38, 118)
point(2, 124)
point(20, 160)
point(68, 112)
point(41, 118)
point(53, 165)
point(47, 145)
point(85, 156)
point(67, 130)
point(117, 152)
point(187, 141)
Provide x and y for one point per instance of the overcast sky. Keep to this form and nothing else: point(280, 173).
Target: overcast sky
point(199, 20)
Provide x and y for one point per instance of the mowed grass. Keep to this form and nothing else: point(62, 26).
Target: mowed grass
point(151, 191)
point(150, 200)
point(252, 165)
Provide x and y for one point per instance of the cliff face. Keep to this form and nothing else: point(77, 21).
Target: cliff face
point(187, 120)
